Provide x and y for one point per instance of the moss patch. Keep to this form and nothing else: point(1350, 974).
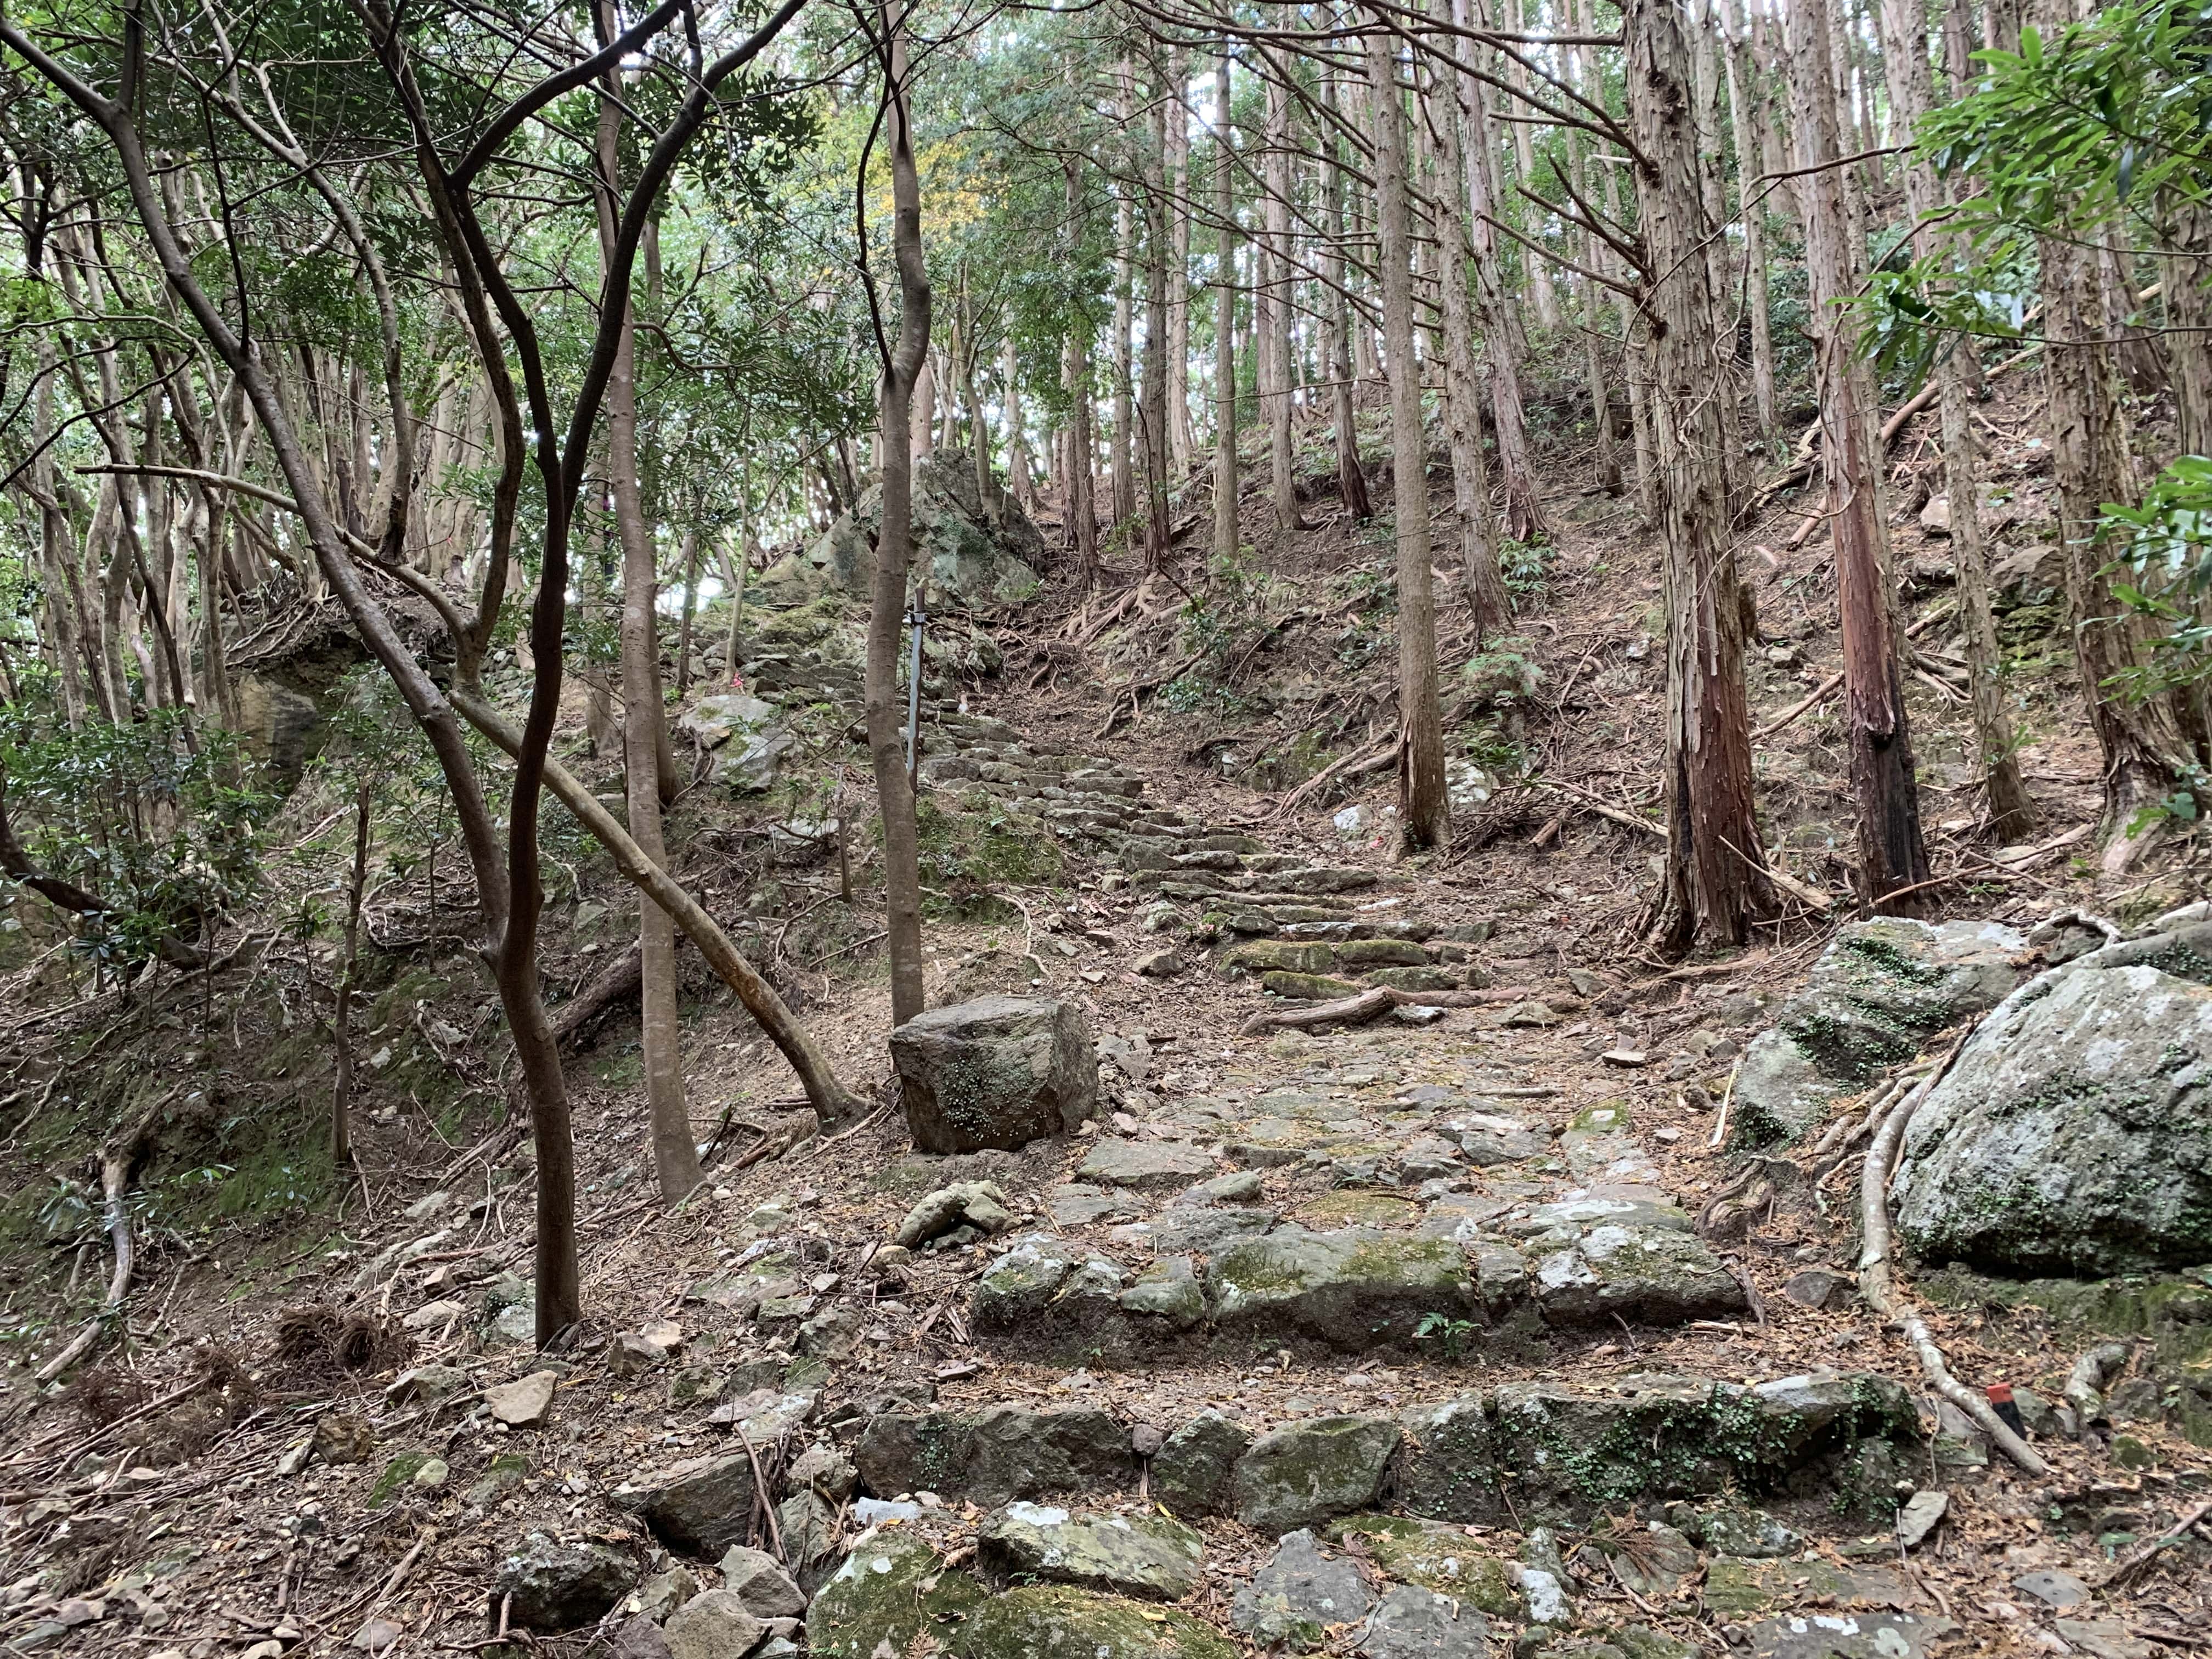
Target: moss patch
point(1442, 1557)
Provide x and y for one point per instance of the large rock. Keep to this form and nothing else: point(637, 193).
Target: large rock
point(1353, 1288)
point(715, 1626)
point(1147, 1555)
point(996, 1456)
point(1434, 1554)
point(1874, 997)
point(701, 1506)
point(1657, 1275)
point(973, 557)
point(891, 1588)
point(1194, 1471)
point(998, 1072)
point(1412, 1622)
point(2074, 1135)
point(552, 1586)
point(1060, 1621)
point(1144, 1165)
point(1301, 1594)
point(1305, 1474)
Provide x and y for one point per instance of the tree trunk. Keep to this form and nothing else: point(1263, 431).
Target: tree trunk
point(342, 1018)
point(1336, 332)
point(1225, 533)
point(1017, 442)
point(1716, 884)
point(1524, 155)
point(690, 614)
point(1892, 854)
point(1178, 162)
point(1076, 491)
point(1153, 426)
point(734, 571)
point(1282, 451)
point(1741, 74)
point(1122, 451)
point(1425, 810)
point(1911, 90)
point(1480, 584)
point(895, 552)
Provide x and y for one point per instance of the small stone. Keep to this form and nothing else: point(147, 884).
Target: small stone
point(375, 1635)
point(1160, 964)
point(1531, 1015)
point(78, 1610)
point(714, 1625)
point(433, 1474)
point(433, 1314)
point(525, 1402)
point(1815, 1288)
point(344, 1439)
point(1145, 1439)
point(1298, 1595)
point(1415, 1013)
point(553, 1587)
point(1919, 1516)
point(1146, 1555)
point(759, 1581)
point(2056, 1591)
point(1626, 1057)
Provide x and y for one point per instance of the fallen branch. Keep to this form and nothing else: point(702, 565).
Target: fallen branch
point(2147, 1553)
point(1827, 687)
point(117, 1161)
point(1371, 1004)
point(1875, 1282)
point(617, 982)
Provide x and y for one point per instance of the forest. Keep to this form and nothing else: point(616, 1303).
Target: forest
point(769, 772)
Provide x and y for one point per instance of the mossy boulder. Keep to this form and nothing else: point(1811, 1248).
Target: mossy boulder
point(1736, 1588)
point(1304, 1474)
point(1413, 979)
point(1451, 1465)
point(1144, 1555)
point(995, 1455)
point(1429, 1552)
point(891, 1589)
point(999, 1071)
point(1353, 1288)
point(1194, 1471)
point(1262, 956)
point(1300, 1597)
point(1876, 995)
point(1655, 1274)
point(1381, 953)
point(1307, 988)
point(2073, 1135)
point(1060, 1621)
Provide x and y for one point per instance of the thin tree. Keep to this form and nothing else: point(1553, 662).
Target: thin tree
point(1225, 532)
point(901, 365)
point(1423, 808)
point(1892, 854)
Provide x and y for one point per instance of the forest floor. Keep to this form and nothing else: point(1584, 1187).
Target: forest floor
point(169, 1507)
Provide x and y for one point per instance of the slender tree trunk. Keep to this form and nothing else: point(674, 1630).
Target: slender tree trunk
point(1425, 810)
point(1282, 441)
point(1905, 53)
point(1225, 529)
point(1152, 425)
point(1480, 584)
point(1180, 446)
point(1742, 74)
point(2188, 299)
point(1716, 884)
point(690, 614)
point(1892, 854)
point(675, 1154)
point(1122, 451)
point(1082, 514)
point(1336, 332)
point(895, 552)
point(1524, 156)
point(1017, 442)
point(342, 1018)
point(734, 571)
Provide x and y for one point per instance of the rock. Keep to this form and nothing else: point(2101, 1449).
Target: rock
point(1413, 1623)
point(1300, 1594)
point(1451, 1465)
point(2056, 1590)
point(375, 1635)
point(502, 1475)
point(1043, 1286)
point(1654, 1562)
point(1192, 1472)
point(341, 1437)
point(556, 1587)
point(1815, 1287)
point(1529, 1015)
point(713, 1625)
point(1919, 1516)
point(524, 1403)
point(974, 558)
point(1079, 1204)
point(428, 1383)
point(1414, 1013)
point(1262, 956)
point(1753, 1534)
point(995, 1455)
point(1159, 964)
point(758, 1581)
point(663, 1593)
point(891, 1588)
point(2103, 1638)
point(1738, 1587)
point(1135, 1555)
point(701, 1506)
point(1847, 1636)
point(1304, 1474)
point(1655, 1274)
point(638, 1638)
point(1431, 1553)
point(1936, 517)
point(1168, 1292)
point(978, 1204)
point(999, 1071)
point(1144, 1165)
point(826, 1470)
point(1629, 1059)
point(2074, 1135)
point(1413, 979)
point(813, 1539)
point(1308, 988)
point(1354, 1289)
point(1878, 990)
point(432, 1314)
point(1060, 1621)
